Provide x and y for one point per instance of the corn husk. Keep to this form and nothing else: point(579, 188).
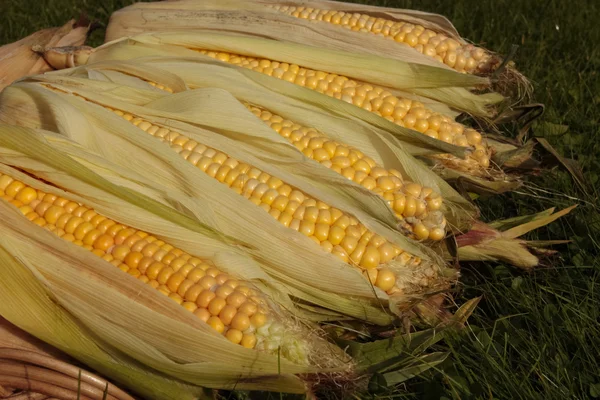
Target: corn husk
point(500, 241)
point(75, 301)
point(377, 144)
point(24, 58)
point(165, 44)
point(257, 17)
point(315, 277)
point(438, 84)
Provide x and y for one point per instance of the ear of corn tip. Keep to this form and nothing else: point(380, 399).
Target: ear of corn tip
point(231, 307)
point(460, 56)
point(404, 112)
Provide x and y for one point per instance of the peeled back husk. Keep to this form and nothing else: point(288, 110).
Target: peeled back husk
point(267, 18)
point(499, 241)
point(380, 146)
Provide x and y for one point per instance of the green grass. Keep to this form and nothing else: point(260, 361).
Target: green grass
point(535, 335)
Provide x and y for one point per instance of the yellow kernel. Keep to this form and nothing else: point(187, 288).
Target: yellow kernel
point(215, 323)
point(234, 336)
point(224, 291)
point(174, 281)
point(307, 228)
point(248, 341)
point(216, 305)
point(258, 319)
point(386, 279)
point(132, 258)
point(227, 314)
point(193, 294)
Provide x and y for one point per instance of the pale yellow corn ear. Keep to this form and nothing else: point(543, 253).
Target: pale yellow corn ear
point(418, 207)
point(404, 197)
point(403, 34)
point(333, 230)
point(404, 112)
point(230, 306)
point(456, 54)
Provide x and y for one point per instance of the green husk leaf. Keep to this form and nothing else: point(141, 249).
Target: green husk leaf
point(509, 251)
point(414, 367)
point(508, 223)
point(377, 355)
point(537, 222)
point(498, 182)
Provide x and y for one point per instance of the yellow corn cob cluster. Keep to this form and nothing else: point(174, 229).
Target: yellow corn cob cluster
point(231, 307)
point(404, 112)
point(333, 230)
point(407, 199)
point(462, 57)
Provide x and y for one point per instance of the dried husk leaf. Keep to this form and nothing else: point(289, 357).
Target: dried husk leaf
point(499, 240)
point(19, 59)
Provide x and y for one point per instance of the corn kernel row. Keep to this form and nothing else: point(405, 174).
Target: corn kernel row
point(228, 305)
point(462, 57)
point(330, 228)
point(418, 206)
point(408, 113)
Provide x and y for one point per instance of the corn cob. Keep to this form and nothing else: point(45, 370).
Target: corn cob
point(333, 230)
point(404, 112)
point(353, 165)
point(462, 57)
point(231, 307)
